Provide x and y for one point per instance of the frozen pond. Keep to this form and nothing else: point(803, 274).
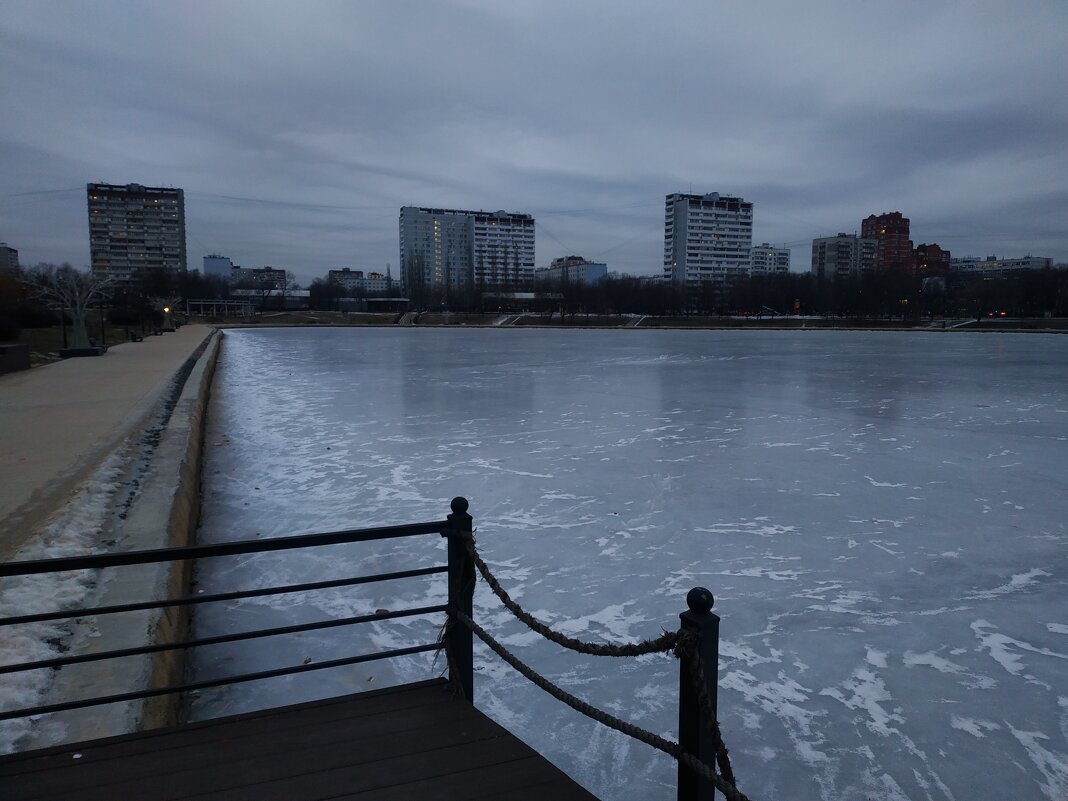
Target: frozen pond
point(882, 518)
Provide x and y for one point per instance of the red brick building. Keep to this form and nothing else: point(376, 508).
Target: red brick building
point(891, 231)
point(931, 260)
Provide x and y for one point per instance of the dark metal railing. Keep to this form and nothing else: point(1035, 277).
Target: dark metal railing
point(461, 592)
point(695, 736)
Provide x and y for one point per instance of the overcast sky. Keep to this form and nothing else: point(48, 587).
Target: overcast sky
point(297, 130)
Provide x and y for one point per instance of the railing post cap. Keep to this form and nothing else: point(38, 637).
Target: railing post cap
point(700, 600)
point(459, 505)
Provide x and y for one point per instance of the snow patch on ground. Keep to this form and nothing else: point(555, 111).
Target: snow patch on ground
point(73, 531)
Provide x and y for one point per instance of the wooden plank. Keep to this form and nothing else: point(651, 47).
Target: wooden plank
point(317, 740)
point(382, 773)
point(395, 743)
point(309, 713)
point(529, 779)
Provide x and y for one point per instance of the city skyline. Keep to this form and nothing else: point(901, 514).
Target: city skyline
point(298, 134)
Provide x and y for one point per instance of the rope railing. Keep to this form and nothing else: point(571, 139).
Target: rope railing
point(665, 642)
point(682, 644)
point(669, 747)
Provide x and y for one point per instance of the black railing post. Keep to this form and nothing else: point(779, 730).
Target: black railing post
point(461, 597)
point(694, 736)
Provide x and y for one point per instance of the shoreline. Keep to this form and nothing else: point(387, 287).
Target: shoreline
point(536, 321)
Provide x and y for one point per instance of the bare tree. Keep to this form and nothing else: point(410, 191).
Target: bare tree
point(73, 291)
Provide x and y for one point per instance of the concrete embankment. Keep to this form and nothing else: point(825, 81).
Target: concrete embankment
point(156, 504)
point(60, 421)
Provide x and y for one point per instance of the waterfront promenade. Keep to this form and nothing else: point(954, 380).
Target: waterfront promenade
point(59, 421)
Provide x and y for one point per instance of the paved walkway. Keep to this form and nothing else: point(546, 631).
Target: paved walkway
point(58, 421)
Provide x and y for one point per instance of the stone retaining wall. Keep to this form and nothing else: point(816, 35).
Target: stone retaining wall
point(165, 514)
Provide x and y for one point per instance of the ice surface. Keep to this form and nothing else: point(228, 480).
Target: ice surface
point(882, 518)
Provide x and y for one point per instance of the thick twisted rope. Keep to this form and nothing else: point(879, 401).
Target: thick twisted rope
point(669, 747)
point(665, 642)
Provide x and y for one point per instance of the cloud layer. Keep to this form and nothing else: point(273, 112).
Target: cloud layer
point(298, 130)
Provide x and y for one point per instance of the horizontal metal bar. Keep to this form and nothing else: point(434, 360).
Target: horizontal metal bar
point(63, 661)
point(203, 685)
point(219, 549)
point(223, 596)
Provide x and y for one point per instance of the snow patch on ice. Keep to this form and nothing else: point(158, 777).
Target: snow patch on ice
point(1000, 647)
point(942, 665)
point(875, 657)
point(875, 483)
point(764, 572)
point(734, 650)
point(758, 526)
point(973, 726)
point(1052, 766)
point(1019, 581)
point(865, 690)
point(612, 619)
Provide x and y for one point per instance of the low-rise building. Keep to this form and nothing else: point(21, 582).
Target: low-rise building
point(843, 256)
point(764, 259)
point(349, 280)
point(273, 298)
point(9, 257)
point(355, 282)
point(931, 260)
point(258, 277)
point(216, 266)
point(572, 270)
point(993, 267)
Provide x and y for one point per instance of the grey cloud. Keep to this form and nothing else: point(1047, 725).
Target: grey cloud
point(820, 114)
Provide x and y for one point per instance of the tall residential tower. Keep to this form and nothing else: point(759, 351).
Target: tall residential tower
point(891, 231)
point(446, 251)
point(706, 238)
point(137, 235)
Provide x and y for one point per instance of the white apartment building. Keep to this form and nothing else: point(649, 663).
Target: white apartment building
point(446, 250)
point(767, 260)
point(258, 278)
point(503, 250)
point(993, 267)
point(355, 281)
point(706, 238)
point(843, 256)
point(573, 270)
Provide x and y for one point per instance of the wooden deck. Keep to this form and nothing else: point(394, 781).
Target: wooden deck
point(411, 742)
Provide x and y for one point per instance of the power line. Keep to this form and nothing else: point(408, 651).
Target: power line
point(289, 203)
point(548, 233)
point(590, 210)
point(46, 192)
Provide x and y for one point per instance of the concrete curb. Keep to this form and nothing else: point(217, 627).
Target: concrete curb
point(165, 514)
point(183, 442)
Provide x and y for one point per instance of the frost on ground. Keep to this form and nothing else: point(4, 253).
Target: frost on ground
point(885, 532)
point(75, 530)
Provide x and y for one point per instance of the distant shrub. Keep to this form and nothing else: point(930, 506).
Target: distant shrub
point(32, 315)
